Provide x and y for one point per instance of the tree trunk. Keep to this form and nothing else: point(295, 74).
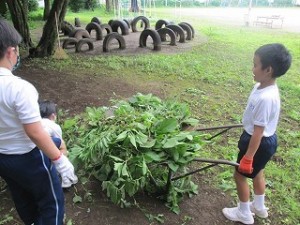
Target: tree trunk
point(18, 12)
point(47, 44)
point(3, 9)
point(108, 5)
point(134, 6)
point(46, 9)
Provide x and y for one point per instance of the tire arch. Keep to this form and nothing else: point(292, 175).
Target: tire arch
point(114, 35)
point(155, 37)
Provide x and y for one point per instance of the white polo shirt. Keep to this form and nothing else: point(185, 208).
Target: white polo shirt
point(263, 109)
point(18, 106)
point(52, 128)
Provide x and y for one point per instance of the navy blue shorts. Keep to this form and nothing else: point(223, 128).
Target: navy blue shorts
point(265, 151)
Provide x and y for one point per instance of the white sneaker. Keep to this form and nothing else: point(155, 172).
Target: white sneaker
point(262, 213)
point(235, 214)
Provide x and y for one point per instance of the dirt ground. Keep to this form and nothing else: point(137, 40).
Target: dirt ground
point(74, 93)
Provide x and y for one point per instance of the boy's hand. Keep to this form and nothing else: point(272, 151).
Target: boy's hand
point(65, 168)
point(246, 165)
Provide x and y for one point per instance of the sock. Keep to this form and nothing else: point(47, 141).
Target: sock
point(259, 201)
point(244, 207)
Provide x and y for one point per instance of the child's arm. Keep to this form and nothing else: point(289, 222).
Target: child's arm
point(247, 161)
point(63, 148)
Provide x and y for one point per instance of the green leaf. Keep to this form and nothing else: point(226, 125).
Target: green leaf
point(170, 143)
point(132, 140)
point(166, 126)
point(118, 167)
point(144, 167)
point(152, 156)
point(174, 167)
point(77, 199)
point(122, 136)
point(191, 121)
point(117, 159)
point(124, 170)
point(148, 144)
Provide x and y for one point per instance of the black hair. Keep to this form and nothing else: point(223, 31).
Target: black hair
point(9, 37)
point(276, 56)
point(47, 108)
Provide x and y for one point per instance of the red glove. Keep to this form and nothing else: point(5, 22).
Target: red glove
point(246, 165)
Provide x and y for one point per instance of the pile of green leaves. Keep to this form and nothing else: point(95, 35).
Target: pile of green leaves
point(136, 148)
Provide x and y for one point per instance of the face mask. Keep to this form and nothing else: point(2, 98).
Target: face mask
point(16, 66)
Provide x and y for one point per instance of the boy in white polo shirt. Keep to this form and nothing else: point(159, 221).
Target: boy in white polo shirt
point(29, 159)
point(258, 142)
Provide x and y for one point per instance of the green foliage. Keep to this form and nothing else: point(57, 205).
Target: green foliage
point(33, 5)
point(136, 148)
point(76, 5)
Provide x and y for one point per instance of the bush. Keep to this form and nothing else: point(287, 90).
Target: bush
point(33, 5)
point(90, 4)
point(76, 5)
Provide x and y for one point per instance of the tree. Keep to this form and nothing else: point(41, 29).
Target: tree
point(134, 6)
point(47, 7)
point(3, 8)
point(19, 14)
point(108, 5)
point(47, 43)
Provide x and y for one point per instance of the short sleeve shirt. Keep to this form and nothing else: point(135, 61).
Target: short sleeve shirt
point(263, 109)
point(18, 106)
point(52, 128)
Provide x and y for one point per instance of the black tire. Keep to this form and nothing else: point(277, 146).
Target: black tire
point(164, 31)
point(116, 24)
point(128, 22)
point(72, 34)
point(77, 22)
point(160, 23)
point(69, 43)
point(178, 31)
point(95, 26)
point(187, 29)
point(192, 28)
point(106, 27)
point(81, 42)
point(110, 22)
point(67, 28)
point(96, 20)
point(80, 34)
point(138, 18)
point(114, 35)
point(155, 37)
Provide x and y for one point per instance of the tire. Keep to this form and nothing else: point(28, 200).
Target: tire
point(178, 31)
point(192, 28)
point(80, 34)
point(160, 23)
point(110, 22)
point(120, 23)
point(136, 19)
point(155, 37)
point(128, 22)
point(164, 31)
point(84, 41)
point(114, 35)
point(96, 20)
point(77, 22)
point(187, 29)
point(106, 27)
point(95, 26)
point(72, 34)
point(69, 41)
point(67, 28)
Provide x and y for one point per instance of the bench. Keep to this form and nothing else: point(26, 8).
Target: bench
point(269, 21)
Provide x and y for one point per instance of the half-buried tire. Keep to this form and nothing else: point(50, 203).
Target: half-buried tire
point(163, 32)
point(81, 42)
point(187, 29)
point(138, 18)
point(178, 31)
point(155, 37)
point(95, 26)
point(114, 35)
point(69, 43)
point(116, 24)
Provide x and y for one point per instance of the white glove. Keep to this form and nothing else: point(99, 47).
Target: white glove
point(66, 170)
